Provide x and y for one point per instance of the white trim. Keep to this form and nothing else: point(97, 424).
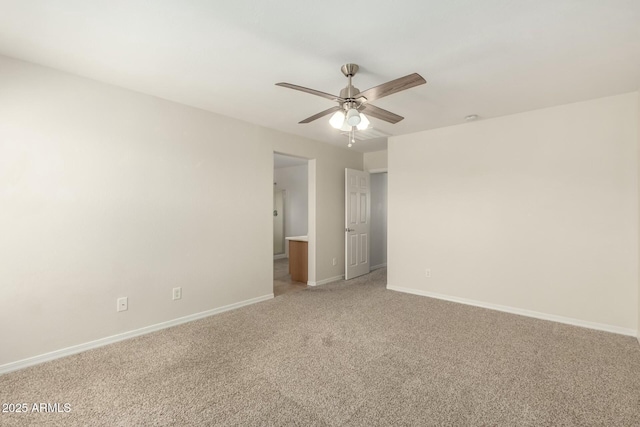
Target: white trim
point(280, 256)
point(379, 170)
point(311, 220)
point(325, 281)
point(57, 354)
point(520, 311)
point(375, 267)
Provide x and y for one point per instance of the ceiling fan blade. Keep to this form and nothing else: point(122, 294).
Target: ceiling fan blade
point(381, 114)
point(321, 114)
point(394, 86)
point(311, 91)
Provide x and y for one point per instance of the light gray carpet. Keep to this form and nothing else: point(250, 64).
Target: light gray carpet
point(351, 354)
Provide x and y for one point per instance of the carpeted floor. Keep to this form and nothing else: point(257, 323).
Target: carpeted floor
point(344, 354)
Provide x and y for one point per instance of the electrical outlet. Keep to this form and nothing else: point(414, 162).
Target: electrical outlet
point(427, 272)
point(123, 304)
point(335, 261)
point(177, 293)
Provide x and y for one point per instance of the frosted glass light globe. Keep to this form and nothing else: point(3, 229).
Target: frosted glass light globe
point(364, 122)
point(337, 120)
point(353, 117)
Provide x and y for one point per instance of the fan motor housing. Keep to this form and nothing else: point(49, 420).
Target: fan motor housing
point(344, 93)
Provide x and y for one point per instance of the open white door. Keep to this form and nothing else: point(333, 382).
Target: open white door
point(357, 223)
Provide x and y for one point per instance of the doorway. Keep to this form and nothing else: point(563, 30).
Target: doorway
point(291, 179)
point(378, 220)
point(365, 222)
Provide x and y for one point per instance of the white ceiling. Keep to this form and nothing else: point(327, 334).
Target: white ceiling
point(490, 57)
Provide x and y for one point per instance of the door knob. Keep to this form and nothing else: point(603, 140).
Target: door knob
point(349, 230)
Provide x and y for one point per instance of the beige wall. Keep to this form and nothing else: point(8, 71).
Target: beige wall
point(106, 192)
point(535, 211)
point(375, 161)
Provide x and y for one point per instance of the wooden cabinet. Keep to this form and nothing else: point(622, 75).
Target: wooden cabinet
point(298, 260)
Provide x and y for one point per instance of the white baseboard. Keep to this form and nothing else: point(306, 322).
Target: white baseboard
point(325, 281)
point(279, 256)
point(57, 354)
point(521, 312)
point(375, 267)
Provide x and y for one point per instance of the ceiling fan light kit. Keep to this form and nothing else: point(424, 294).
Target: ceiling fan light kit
point(347, 115)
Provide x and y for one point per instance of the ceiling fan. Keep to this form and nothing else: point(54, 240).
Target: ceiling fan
point(348, 114)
